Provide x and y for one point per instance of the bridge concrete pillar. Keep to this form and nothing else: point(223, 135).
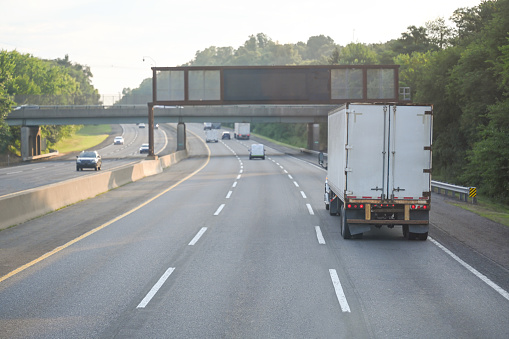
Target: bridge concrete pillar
point(313, 137)
point(181, 136)
point(30, 141)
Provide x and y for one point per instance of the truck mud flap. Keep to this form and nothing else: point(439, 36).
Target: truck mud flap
point(418, 229)
point(359, 228)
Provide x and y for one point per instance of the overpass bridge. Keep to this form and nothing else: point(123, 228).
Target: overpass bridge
point(268, 94)
point(30, 117)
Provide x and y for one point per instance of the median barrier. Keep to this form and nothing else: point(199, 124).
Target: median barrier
point(22, 206)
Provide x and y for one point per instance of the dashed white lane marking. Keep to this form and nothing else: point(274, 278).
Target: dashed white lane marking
point(234, 184)
point(285, 171)
point(303, 194)
point(229, 194)
point(290, 176)
point(310, 209)
point(339, 291)
point(241, 171)
point(319, 235)
point(296, 184)
point(238, 177)
point(478, 274)
point(197, 236)
point(219, 209)
point(156, 288)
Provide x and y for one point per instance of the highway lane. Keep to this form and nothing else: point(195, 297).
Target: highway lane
point(27, 176)
point(250, 263)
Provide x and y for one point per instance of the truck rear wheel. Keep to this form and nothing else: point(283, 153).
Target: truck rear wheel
point(345, 230)
point(417, 236)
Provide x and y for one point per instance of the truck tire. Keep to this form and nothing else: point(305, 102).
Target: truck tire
point(345, 230)
point(417, 236)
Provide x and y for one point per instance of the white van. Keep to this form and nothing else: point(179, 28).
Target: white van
point(211, 135)
point(256, 151)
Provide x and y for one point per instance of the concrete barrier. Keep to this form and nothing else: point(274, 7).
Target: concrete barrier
point(20, 207)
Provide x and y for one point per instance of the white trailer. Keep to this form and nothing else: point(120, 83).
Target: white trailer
point(379, 168)
point(211, 135)
point(242, 130)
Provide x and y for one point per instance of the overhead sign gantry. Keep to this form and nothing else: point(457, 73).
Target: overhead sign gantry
point(271, 85)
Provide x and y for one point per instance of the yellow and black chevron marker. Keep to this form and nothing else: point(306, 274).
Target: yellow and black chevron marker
point(472, 192)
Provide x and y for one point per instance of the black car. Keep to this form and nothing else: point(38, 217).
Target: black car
point(88, 159)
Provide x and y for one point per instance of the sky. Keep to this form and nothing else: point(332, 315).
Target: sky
point(121, 40)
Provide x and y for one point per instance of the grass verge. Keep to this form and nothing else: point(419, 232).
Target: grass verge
point(87, 137)
point(488, 209)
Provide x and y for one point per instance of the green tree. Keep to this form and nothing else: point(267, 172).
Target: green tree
point(354, 54)
point(439, 33)
point(30, 80)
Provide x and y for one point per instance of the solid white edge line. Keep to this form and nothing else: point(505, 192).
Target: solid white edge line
point(310, 209)
point(219, 209)
point(156, 288)
point(229, 195)
point(303, 194)
point(339, 291)
point(472, 270)
point(319, 235)
point(197, 236)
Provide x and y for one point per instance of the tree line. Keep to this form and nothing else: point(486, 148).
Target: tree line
point(461, 68)
point(25, 79)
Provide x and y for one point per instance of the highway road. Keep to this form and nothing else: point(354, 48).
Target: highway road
point(36, 174)
point(220, 246)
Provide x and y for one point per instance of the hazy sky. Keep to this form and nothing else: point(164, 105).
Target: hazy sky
point(113, 37)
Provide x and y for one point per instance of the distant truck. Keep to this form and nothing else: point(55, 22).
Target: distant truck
point(379, 168)
point(242, 130)
point(216, 125)
point(211, 135)
point(207, 125)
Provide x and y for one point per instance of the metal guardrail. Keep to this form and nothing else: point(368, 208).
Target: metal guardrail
point(463, 192)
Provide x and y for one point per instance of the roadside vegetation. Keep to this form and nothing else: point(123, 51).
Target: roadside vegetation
point(487, 208)
point(85, 138)
point(460, 65)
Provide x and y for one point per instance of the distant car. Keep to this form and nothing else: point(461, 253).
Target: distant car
point(141, 125)
point(88, 159)
point(118, 141)
point(226, 135)
point(144, 148)
point(156, 126)
point(257, 151)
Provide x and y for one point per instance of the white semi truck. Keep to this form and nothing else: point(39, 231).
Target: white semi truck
point(379, 168)
point(242, 130)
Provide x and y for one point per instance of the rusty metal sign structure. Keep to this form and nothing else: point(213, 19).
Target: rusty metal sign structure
point(275, 85)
